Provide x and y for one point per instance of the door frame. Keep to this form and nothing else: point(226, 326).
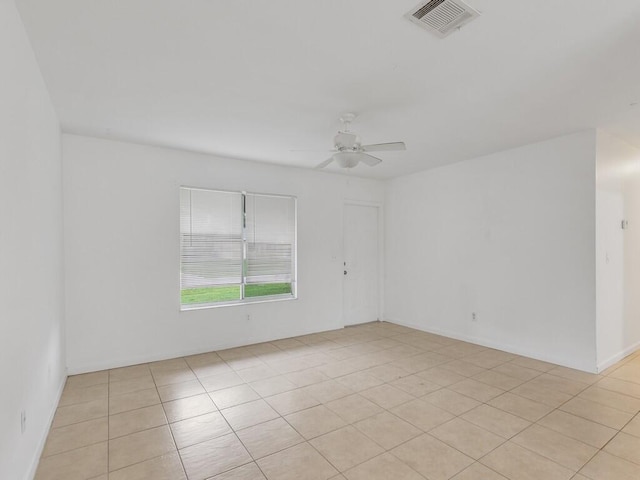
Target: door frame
point(380, 208)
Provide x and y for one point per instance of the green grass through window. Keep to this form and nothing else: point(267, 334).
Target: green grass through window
point(229, 293)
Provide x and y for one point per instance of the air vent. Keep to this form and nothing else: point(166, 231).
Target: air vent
point(442, 17)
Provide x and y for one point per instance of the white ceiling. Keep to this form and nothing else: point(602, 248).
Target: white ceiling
point(254, 79)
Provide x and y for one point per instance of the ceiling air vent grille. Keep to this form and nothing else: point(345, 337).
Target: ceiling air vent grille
point(442, 17)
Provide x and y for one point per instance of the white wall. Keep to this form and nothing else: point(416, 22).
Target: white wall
point(510, 236)
point(122, 252)
point(617, 253)
point(31, 296)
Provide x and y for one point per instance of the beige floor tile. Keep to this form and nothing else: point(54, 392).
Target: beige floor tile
point(422, 414)
point(477, 471)
point(625, 446)
point(467, 437)
point(633, 427)
point(353, 408)
point(629, 372)
point(515, 462)
point(548, 396)
point(166, 467)
point(230, 397)
point(221, 454)
point(565, 385)
point(249, 471)
point(273, 386)
point(533, 364)
point(326, 391)
point(620, 386)
point(476, 390)
point(238, 364)
point(257, 372)
point(432, 458)
point(465, 369)
point(452, 402)
point(576, 375)
point(127, 373)
point(177, 391)
point(80, 412)
point(615, 400)
point(346, 448)
point(566, 451)
point(496, 421)
point(75, 436)
point(340, 368)
point(172, 364)
point(387, 373)
point(213, 370)
point(441, 376)
point(359, 381)
point(79, 464)
point(386, 396)
point(517, 371)
point(387, 430)
point(87, 379)
point(498, 380)
point(269, 437)
point(184, 408)
point(170, 377)
point(71, 396)
point(597, 412)
point(376, 366)
point(578, 428)
point(315, 421)
point(140, 446)
point(200, 359)
point(133, 400)
point(297, 463)
point(609, 467)
point(133, 421)
point(489, 358)
point(307, 377)
point(249, 414)
point(290, 402)
point(220, 381)
point(383, 467)
point(415, 385)
point(199, 429)
point(131, 385)
point(520, 406)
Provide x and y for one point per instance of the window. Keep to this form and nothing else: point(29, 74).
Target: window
point(236, 247)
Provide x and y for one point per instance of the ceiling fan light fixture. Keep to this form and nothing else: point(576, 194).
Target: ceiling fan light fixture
point(346, 159)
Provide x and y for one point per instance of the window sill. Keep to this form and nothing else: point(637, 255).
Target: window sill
point(246, 301)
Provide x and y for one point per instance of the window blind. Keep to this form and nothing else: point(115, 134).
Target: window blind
point(270, 229)
point(211, 243)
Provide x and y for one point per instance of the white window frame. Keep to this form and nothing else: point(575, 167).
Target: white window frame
point(247, 300)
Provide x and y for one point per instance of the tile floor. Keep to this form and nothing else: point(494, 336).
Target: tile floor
point(378, 401)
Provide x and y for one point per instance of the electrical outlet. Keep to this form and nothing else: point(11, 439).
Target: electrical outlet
point(474, 317)
point(23, 421)
point(248, 317)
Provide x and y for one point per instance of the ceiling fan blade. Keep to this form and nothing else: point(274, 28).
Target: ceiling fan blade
point(369, 159)
point(325, 163)
point(384, 147)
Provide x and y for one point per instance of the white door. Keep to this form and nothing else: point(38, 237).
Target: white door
point(361, 259)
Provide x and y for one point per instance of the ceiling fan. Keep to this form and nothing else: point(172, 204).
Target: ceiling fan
point(348, 151)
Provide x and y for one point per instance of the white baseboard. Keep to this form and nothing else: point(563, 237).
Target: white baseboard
point(31, 473)
point(156, 357)
point(499, 346)
point(612, 360)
